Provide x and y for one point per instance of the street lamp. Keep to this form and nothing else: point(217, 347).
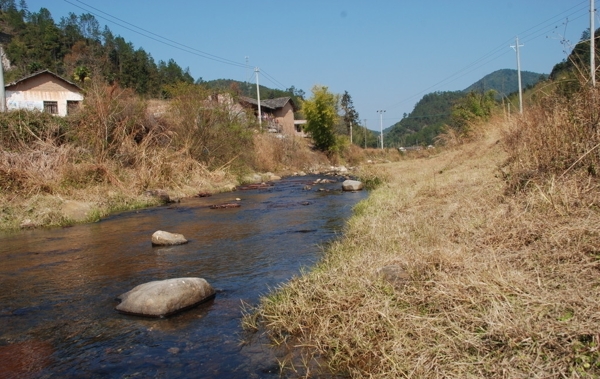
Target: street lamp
point(381, 112)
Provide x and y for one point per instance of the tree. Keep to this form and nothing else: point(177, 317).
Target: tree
point(426, 121)
point(81, 73)
point(208, 131)
point(350, 117)
point(364, 137)
point(321, 116)
point(474, 107)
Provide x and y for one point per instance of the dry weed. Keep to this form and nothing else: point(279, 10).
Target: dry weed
point(278, 153)
point(482, 284)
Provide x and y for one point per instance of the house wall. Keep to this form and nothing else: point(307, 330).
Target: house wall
point(31, 93)
point(285, 118)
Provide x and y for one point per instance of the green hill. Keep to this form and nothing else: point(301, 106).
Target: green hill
point(249, 90)
point(425, 122)
point(433, 111)
point(505, 81)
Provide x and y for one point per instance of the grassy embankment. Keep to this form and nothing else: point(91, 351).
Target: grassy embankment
point(105, 158)
point(119, 148)
point(479, 261)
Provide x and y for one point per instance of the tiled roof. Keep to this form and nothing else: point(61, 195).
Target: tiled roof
point(271, 104)
point(39, 73)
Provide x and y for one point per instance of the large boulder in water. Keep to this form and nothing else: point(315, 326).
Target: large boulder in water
point(352, 185)
point(162, 238)
point(163, 298)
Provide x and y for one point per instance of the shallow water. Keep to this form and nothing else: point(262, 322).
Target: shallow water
point(57, 316)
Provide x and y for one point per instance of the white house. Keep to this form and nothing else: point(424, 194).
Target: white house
point(44, 91)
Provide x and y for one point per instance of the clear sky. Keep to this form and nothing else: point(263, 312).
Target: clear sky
point(386, 54)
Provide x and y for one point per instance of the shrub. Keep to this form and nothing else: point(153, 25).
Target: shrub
point(558, 135)
point(111, 118)
point(209, 127)
point(21, 128)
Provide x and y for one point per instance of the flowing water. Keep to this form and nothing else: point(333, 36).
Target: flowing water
point(58, 287)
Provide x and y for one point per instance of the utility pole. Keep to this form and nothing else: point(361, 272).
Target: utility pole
point(592, 43)
point(350, 132)
point(256, 70)
point(381, 112)
point(365, 133)
point(516, 48)
point(2, 93)
point(247, 78)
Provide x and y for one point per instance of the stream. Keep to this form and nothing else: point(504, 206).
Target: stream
point(58, 286)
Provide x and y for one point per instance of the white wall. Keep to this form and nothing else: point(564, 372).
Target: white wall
point(35, 99)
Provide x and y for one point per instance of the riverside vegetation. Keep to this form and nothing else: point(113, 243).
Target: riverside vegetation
point(119, 148)
point(479, 260)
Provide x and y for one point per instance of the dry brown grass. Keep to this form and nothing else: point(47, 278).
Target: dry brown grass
point(276, 154)
point(107, 155)
point(118, 146)
point(443, 274)
point(559, 135)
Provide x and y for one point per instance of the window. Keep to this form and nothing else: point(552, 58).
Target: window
point(51, 107)
point(72, 106)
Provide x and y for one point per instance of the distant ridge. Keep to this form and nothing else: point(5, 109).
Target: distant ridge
point(505, 81)
point(434, 110)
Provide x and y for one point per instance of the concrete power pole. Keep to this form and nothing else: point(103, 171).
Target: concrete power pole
point(381, 112)
point(247, 78)
point(2, 93)
point(516, 48)
point(365, 133)
point(350, 132)
point(256, 70)
point(592, 44)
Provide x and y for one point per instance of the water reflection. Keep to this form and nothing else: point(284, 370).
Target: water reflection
point(59, 285)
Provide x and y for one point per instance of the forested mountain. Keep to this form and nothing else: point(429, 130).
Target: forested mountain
point(505, 81)
point(425, 122)
point(78, 49)
point(249, 90)
point(434, 110)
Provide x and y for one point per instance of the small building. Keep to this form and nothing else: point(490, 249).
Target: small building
point(44, 91)
point(299, 127)
point(277, 114)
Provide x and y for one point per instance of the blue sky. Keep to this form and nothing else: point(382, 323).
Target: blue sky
point(386, 54)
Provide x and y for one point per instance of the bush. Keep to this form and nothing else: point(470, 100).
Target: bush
point(558, 135)
point(21, 128)
point(111, 119)
point(208, 127)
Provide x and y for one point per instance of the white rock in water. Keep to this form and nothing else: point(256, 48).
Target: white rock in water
point(163, 298)
point(162, 238)
point(352, 185)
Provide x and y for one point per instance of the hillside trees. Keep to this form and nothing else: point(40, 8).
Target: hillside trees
point(77, 49)
point(426, 120)
point(576, 68)
point(364, 137)
point(472, 108)
point(321, 112)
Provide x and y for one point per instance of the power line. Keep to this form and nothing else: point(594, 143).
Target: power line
point(273, 80)
point(159, 38)
point(499, 51)
point(171, 42)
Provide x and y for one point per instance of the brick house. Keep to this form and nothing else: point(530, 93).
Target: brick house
point(277, 114)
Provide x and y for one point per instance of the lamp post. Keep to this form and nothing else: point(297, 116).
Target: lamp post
point(381, 112)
